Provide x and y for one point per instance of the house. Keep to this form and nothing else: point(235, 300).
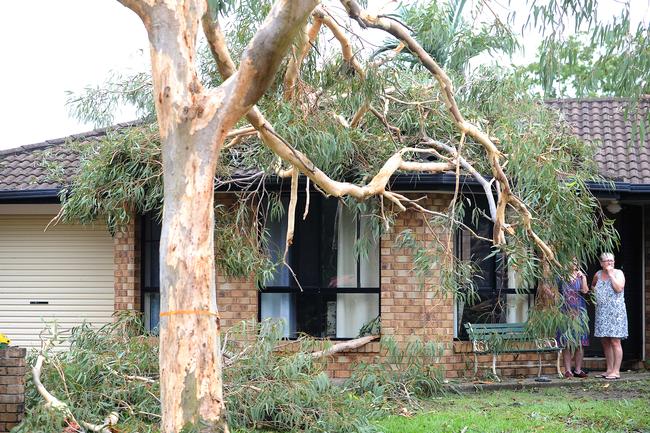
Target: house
point(73, 273)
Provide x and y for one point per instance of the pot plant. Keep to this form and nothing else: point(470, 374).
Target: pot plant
point(4, 341)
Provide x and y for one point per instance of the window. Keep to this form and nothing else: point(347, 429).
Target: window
point(335, 290)
point(500, 295)
point(150, 272)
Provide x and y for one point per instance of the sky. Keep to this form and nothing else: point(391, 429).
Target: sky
point(53, 46)
point(50, 47)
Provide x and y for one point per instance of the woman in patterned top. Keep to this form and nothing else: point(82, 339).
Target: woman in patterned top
point(611, 315)
point(573, 305)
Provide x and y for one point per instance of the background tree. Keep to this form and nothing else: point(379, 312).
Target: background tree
point(578, 67)
point(607, 57)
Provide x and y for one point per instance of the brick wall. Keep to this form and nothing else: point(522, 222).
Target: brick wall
point(12, 387)
point(408, 310)
point(236, 297)
point(126, 251)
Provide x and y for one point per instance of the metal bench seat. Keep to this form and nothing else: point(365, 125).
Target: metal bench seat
point(500, 338)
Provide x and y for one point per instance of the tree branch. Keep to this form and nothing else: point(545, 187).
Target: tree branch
point(141, 8)
point(264, 53)
point(295, 63)
point(52, 402)
point(487, 187)
point(339, 34)
point(291, 214)
point(399, 31)
point(346, 345)
point(296, 158)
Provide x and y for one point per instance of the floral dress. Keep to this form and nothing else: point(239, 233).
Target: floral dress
point(611, 315)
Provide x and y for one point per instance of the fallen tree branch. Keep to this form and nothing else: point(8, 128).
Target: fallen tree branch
point(291, 214)
point(346, 345)
point(506, 196)
point(52, 402)
point(487, 186)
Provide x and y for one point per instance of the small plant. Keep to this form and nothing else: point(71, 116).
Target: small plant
point(407, 373)
point(4, 341)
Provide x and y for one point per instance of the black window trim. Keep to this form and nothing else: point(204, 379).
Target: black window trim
point(324, 290)
point(498, 287)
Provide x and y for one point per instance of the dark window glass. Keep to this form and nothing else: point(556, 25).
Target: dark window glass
point(335, 292)
point(498, 299)
point(150, 272)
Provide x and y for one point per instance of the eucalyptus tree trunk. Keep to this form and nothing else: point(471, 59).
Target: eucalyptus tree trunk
point(193, 124)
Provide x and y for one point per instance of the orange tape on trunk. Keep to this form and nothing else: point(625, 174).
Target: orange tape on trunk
point(177, 312)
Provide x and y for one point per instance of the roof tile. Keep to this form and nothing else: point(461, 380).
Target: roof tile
point(610, 125)
point(603, 121)
point(21, 168)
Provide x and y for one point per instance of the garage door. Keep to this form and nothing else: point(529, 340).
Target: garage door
point(64, 274)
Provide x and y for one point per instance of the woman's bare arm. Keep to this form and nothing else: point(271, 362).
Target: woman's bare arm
point(583, 284)
point(618, 279)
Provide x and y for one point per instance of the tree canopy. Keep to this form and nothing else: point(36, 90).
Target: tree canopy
point(404, 108)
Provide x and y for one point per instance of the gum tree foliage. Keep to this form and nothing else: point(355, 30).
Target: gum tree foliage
point(115, 368)
point(588, 70)
point(348, 121)
point(605, 57)
point(448, 32)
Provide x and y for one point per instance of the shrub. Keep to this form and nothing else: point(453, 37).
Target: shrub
point(405, 374)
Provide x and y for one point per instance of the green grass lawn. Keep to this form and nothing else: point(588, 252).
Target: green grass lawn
point(607, 407)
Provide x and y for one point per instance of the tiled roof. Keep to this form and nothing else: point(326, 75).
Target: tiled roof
point(620, 156)
point(613, 128)
point(22, 168)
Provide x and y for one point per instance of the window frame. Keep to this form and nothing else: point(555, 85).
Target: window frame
point(499, 287)
point(321, 290)
point(145, 221)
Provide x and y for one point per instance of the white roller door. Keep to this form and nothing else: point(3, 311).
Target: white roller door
point(64, 274)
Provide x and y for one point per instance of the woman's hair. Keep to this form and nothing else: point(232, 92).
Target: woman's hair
point(606, 256)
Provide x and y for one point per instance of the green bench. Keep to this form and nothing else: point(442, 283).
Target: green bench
point(498, 338)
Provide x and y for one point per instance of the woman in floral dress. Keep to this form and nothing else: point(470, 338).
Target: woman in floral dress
point(611, 315)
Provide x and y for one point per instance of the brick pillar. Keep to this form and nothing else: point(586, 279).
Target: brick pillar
point(409, 310)
point(126, 252)
point(236, 297)
point(12, 387)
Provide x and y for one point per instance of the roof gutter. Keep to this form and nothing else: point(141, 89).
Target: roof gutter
point(403, 181)
point(37, 195)
point(445, 181)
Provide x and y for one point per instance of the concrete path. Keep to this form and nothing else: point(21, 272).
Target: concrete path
point(530, 383)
